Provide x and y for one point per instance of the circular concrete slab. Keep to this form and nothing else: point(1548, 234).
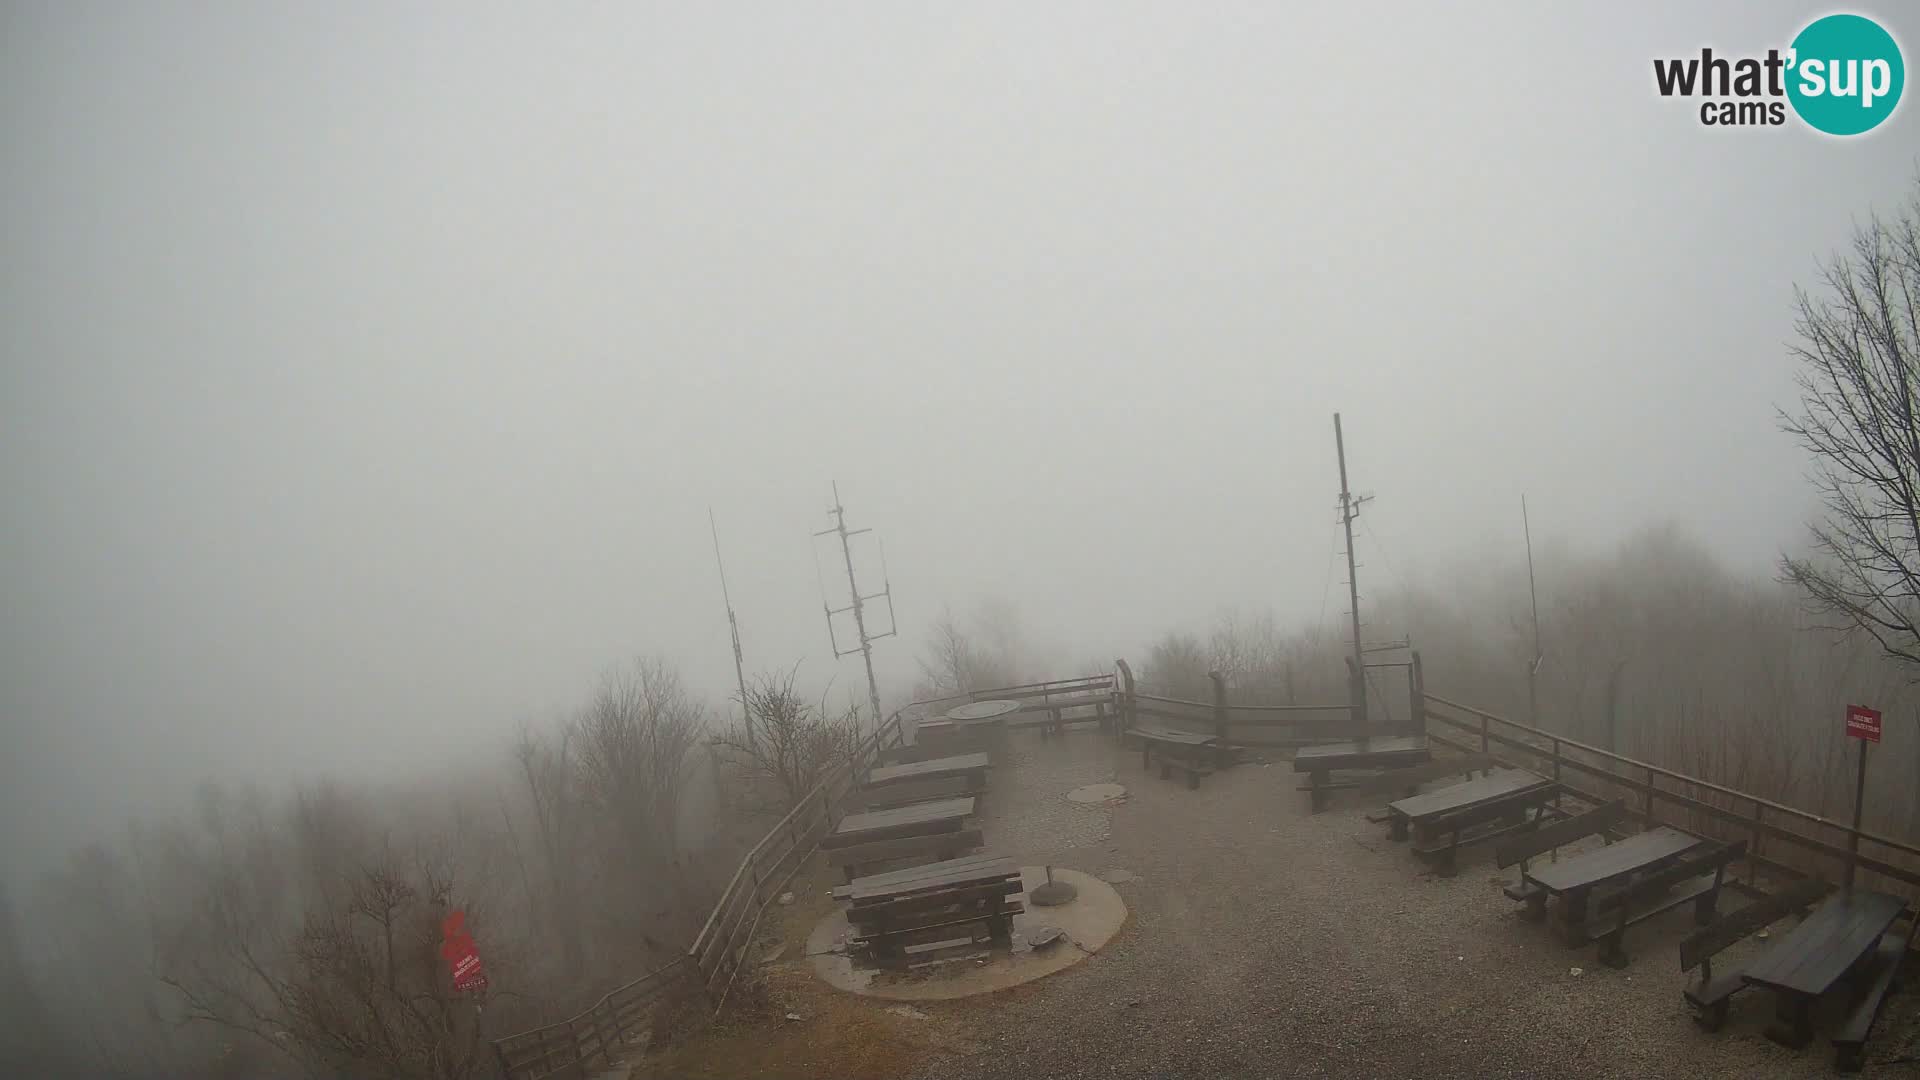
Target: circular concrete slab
point(1090, 921)
point(1097, 793)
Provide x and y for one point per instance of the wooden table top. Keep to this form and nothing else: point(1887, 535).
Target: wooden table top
point(1812, 956)
point(1387, 747)
point(1501, 783)
point(973, 868)
point(941, 766)
point(1601, 865)
point(925, 813)
point(976, 712)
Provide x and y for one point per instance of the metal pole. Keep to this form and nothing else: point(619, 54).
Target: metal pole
point(1533, 666)
point(1859, 806)
point(733, 626)
point(1349, 510)
point(859, 606)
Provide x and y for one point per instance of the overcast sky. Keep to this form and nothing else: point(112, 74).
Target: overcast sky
point(367, 370)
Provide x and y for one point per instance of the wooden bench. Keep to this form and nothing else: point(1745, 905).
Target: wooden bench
point(1383, 752)
point(1828, 947)
point(1694, 877)
point(1408, 781)
point(1878, 977)
point(1539, 838)
point(1057, 720)
point(1480, 822)
point(1710, 996)
point(932, 906)
point(915, 791)
point(1191, 769)
point(1192, 753)
point(937, 847)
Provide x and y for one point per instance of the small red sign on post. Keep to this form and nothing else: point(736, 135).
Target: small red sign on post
point(1863, 723)
point(462, 955)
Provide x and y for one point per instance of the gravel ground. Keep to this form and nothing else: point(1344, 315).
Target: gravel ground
point(1265, 941)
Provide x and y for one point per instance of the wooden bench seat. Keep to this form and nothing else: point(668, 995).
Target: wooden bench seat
point(915, 791)
point(1407, 781)
point(1539, 838)
point(1193, 770)
point(1710, 996)
point(889, 927)
point(1879, 976)
point(937, 847)
point(1693, 878)
point(1527, 892)
point(1479, 823)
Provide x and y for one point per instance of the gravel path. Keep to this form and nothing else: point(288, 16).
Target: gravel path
point(1265, 941)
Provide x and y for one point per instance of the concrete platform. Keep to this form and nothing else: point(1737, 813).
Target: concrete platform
point(1090, 921)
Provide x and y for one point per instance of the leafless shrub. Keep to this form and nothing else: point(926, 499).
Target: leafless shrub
point(796, 742)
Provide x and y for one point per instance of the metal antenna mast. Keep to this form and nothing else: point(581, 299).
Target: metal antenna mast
point(859, 603)
point(733, 625)
point(1349, 510)
point(1533, 668)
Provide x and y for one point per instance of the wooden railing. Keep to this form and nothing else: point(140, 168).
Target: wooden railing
point(1783, 839)
point(1244, 725)
point(598, 1032)
point(719, 950)
point(564, 1050)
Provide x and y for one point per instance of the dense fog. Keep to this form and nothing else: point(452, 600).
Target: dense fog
point(367, 375)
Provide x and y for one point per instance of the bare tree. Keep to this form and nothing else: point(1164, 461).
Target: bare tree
point(1859, 354)
point(981, 654)
point(798, 742)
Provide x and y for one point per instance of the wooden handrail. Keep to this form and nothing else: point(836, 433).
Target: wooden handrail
point(1652, 770)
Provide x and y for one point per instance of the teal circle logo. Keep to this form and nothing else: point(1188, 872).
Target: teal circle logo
point(1846, 75)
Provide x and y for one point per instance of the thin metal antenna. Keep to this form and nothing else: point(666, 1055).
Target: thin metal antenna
point(1349, 510)
point(858, 604)
point(733, 626)
point(1533, 668)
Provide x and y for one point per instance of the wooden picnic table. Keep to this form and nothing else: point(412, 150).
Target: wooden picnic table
point(929, 907)
point(1573, 879)
point(954, 765)
point(931, 876)
point(1385, 752)
point(1192, 752)
point(1418, 812)
point(919, 819)
point(1811, 957)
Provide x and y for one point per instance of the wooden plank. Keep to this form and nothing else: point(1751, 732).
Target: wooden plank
point(902, 912)
point(1591, 868)
point(912, 877)
point(931, 844)
point(1882, 968)
point(1183, 738)
point(1457, 797)
point(913, 791)
point(1413, 776)
point(920, 770)
point(943, 815)
point(1813, 955)
point(1724, 931)
point(1560, 833)
point(1371, 754)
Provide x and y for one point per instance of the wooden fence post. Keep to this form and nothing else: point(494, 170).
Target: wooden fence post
point(1219, 706)
point(1128, 719)
point(1486, 737)
point(1416, 697)
point(1753, 849)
